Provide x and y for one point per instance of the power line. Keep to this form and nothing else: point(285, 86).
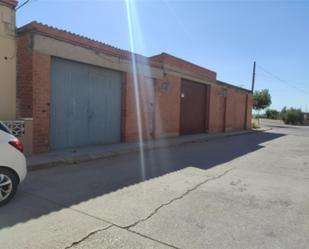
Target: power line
point(267, 76)
point(281, 80)
point(23, 4)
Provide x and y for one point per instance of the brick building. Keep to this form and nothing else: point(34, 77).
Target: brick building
point(81, 92)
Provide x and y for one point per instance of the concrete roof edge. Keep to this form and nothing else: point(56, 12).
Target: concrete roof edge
point(233, 86)
point(67, 36)
point(164, 54)
point(9, 3)
point(86, 42)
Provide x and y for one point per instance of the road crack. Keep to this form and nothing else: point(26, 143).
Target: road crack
point(128, 228)
point(75, 243)
point(155, 240)
point(177, 198)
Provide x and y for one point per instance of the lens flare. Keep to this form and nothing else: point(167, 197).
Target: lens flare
point(136, 87)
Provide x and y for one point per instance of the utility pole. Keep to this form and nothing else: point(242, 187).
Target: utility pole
point(253, 78)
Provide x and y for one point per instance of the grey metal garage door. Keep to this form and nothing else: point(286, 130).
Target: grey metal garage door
point(85, 105)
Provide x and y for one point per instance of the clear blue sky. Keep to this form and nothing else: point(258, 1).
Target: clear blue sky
point(224, 36)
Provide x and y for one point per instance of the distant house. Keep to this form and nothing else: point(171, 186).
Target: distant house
point(7, 60)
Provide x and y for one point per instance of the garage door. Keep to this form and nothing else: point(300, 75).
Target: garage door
point(85, 105)
point(192, 107)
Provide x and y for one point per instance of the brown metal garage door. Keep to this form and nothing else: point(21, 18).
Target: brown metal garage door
point(192, 107)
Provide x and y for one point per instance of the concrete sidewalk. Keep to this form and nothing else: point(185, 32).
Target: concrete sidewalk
point(77, 155)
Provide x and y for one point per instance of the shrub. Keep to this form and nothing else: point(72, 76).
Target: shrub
point(255, 125)
point(292, 116)
point(272, 114)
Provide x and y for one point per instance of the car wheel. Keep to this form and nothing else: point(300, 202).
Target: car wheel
point(8, 185)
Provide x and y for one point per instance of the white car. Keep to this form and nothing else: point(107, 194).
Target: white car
point(13, 169)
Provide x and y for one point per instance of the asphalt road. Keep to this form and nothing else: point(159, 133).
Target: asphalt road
point(247, 191)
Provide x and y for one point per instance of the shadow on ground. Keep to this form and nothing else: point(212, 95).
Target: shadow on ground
point(65, 186)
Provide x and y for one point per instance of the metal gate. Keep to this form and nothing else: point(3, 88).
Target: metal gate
point(85, 105)
point(192, 107)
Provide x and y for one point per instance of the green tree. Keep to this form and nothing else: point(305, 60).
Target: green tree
point(261, 99)
point(292, 116)
point(272, 114)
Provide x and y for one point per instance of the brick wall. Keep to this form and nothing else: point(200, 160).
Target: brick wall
point(231, 112)
point(148, 99)
point(130, 132)
point(131, 115)
point(33, 91)
point(168, 107)
point(41, 102)
point(24, 77)
point(217, 106)
point(235, 110)
point(249, 111)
